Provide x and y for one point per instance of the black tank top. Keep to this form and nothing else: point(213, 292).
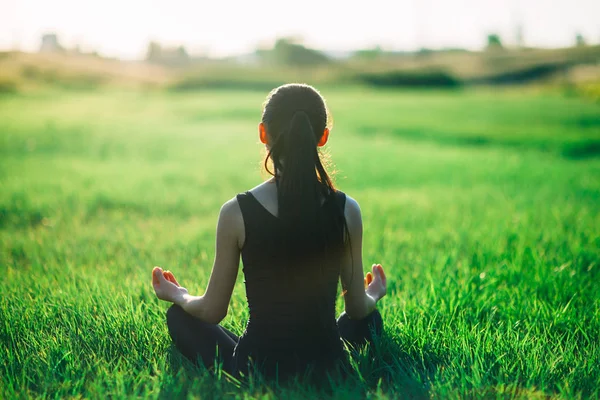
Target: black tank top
point(292, 323)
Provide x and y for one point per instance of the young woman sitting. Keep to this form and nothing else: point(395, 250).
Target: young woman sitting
point(298, 237)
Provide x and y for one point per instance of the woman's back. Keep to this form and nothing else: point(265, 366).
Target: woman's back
point(291, 289)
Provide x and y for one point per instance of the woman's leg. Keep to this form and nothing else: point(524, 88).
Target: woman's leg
point(197, 339)
point(357, 332)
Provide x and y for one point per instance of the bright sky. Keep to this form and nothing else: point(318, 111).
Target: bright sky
point(122, 28)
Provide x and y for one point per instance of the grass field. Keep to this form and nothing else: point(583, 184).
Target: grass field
point(484, 207)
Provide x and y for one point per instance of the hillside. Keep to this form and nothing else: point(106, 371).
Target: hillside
point(26, 71)
point(23, 71)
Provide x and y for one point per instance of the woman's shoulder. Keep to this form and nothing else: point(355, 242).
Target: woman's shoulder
point(252, 192)
point(350, 202)
point(263, 190)
point(352, 210)
point(231, 221)
point(230, 210)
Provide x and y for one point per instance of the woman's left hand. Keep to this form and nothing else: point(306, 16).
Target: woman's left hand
point(166, 286)
point(376, 282)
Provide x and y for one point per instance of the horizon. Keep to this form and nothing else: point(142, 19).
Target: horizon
point(123, 30)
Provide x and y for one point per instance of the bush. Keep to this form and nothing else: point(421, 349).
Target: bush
point(8, 86)
point(590, 90)
point(524, 75)
point(200, 82)
point(433, 79)
point(63, 77)
point(240, 77)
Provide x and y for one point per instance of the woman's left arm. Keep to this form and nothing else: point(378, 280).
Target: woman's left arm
point(212, 306)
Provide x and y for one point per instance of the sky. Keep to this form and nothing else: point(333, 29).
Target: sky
point(122, 28)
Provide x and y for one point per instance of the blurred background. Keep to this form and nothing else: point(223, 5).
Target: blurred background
point(180, 45)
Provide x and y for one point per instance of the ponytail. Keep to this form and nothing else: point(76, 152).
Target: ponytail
point(299, 190)
point(295, 117)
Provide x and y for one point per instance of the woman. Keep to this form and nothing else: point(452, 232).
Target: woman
point(298, 237)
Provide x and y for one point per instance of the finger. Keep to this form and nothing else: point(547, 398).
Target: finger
point(174, 280)
point(381, 273)
point(171, 278)
point(156, 273)
point(158, 277)
point(369, 278)
point(376, 273)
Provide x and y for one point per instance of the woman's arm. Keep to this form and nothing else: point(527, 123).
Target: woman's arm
point(212, 306)
point(359, 302)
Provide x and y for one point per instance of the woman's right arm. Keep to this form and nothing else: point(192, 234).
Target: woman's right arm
point(359, 302)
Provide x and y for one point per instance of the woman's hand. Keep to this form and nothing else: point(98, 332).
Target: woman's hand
point(166, 286)
point(376, 283)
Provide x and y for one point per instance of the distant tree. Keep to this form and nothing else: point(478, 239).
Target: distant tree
point(494, 42)
point(153, 51)
point(369, 54)
point(182, 53)
point(51, 44)
point(289, 51)
point(579, 40)
point(170, 56)
point(424, 52)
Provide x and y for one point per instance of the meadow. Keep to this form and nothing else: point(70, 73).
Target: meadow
point(482, 205)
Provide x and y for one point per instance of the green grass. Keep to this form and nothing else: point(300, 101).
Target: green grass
point(484, 207)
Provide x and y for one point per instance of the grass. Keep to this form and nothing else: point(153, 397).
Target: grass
point(485, 219)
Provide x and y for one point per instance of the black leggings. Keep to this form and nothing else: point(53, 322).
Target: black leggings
point(196, 339)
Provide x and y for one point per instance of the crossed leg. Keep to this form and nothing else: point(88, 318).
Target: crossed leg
point(196, 339)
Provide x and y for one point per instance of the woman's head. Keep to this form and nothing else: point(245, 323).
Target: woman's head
point(295, 122)
point(284, 102)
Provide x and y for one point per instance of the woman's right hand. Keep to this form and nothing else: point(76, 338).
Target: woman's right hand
point(166, 286)
point(376, 283)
